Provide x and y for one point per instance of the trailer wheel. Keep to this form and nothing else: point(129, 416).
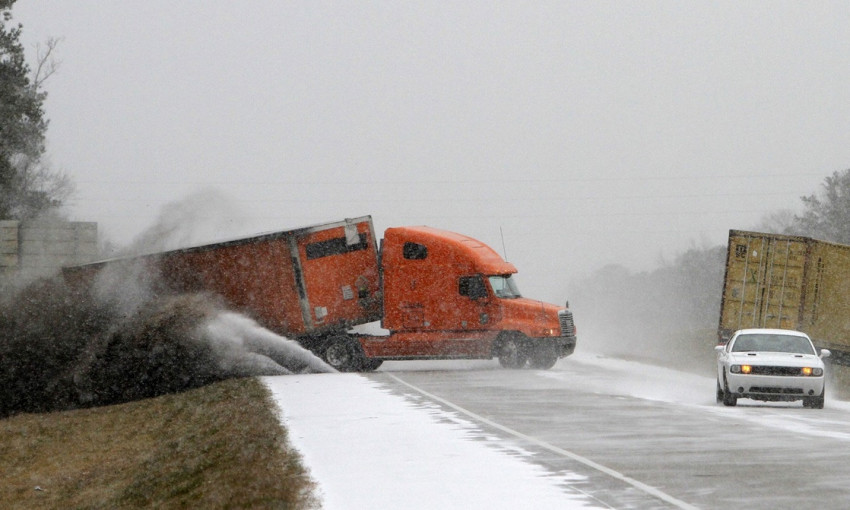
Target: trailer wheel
point(543, 357)
point(513, 352)
point(343, 355)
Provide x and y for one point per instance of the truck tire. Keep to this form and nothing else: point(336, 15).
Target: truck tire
point(513, 352)
point(342, 354)
point(543, 357)
point(371, 364)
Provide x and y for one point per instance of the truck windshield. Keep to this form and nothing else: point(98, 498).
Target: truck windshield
point(504, 286)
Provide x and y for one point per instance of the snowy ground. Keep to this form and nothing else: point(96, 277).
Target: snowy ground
point(370, 448)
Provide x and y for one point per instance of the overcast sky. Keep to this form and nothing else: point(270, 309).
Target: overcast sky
point(587, 133)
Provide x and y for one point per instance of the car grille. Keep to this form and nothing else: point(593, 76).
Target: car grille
point(568, 327)
point(768, 370)
point(776, 390)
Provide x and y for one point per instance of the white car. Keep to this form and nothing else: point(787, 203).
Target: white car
point(770, 365)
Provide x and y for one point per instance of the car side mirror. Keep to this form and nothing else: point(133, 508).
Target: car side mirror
point(825, 353)
point(719, 348)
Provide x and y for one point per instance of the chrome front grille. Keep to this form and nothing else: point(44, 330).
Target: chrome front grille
point(568, 327)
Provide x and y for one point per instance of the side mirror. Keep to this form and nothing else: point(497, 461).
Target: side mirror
point(719, 348)
point(825, 353)
point(567, 305)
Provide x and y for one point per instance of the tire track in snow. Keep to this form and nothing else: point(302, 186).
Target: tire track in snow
point(648, 489)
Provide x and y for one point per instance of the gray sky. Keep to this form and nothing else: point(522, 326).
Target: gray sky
point(587, 132)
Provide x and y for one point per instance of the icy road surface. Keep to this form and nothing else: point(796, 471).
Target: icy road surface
point(593, 432)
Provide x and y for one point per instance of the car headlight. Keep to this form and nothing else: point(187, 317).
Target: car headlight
point(741, 369)
point(810, 371)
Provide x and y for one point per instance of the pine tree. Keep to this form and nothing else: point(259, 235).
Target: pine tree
point(27, 187)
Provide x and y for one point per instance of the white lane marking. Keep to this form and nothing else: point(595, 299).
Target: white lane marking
point(552, 448)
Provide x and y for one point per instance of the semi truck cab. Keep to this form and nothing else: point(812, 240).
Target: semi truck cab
point(446, 295)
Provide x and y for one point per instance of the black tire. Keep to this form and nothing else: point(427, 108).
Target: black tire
point(719, 393)
point(815, 402)
point(371, 364)
point(513, 352)
point(342, 354)
point(543, 357)
point(729, 398)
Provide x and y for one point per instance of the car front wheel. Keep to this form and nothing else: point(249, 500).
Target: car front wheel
point(815, 402)
point(729, 398)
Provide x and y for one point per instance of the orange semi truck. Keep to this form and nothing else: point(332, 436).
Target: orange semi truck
point(439, 295)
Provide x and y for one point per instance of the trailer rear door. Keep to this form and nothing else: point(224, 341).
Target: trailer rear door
point(764, 282)
point(339, 274)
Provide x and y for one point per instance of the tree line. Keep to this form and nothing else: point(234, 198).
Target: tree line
point(671, 314)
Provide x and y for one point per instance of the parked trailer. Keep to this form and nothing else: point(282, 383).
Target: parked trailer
point(437, 294)
point(788, 282)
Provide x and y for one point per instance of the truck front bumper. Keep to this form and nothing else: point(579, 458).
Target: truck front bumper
point(566, 345)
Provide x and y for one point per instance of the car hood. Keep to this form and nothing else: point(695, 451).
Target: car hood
point(783, 359)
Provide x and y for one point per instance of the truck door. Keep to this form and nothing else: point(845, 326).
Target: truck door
point(476, 305)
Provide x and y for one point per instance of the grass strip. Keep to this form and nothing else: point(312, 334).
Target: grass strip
point(219, 446)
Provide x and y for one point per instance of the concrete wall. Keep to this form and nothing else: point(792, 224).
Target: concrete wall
point(39, 248)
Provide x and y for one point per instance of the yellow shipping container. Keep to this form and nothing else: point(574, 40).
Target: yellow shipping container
point(790, 282)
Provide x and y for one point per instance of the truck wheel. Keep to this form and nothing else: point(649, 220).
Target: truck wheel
point(543, 357)
point(341, 354)
point(513, 353)
point(371, 364)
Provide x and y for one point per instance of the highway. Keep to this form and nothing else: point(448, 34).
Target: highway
point(634, 435)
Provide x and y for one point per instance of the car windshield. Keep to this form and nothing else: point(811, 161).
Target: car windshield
point(504, 286)
point(773, 343)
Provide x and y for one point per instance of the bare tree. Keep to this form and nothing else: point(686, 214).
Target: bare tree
point(782, 221)
point(827, 216)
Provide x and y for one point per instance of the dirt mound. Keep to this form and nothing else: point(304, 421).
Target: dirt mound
point(63, 348)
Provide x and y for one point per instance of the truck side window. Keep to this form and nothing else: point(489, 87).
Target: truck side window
point(415, 251)
point(472, 287)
